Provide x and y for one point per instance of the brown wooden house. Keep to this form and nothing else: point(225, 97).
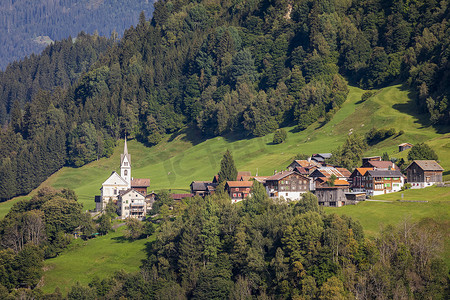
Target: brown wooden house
point(288, 184)
point(404, 146)
point(378, 182)
point(140, 184)
point(423, 173)
point(238, 190)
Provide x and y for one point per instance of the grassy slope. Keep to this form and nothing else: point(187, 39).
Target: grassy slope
point(101, 256)
point(182, 158)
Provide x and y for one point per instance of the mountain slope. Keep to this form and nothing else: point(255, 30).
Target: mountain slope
point(184, 157)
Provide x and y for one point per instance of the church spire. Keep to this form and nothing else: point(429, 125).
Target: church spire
point(125, 148)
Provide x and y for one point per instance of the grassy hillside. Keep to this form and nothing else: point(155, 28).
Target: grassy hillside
point(84, 260)
point(184, 157)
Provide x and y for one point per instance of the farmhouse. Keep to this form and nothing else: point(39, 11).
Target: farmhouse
point(238, 190)
point(203, 188)
point(358, 180)
point(331, 195)
point(132, 204)
point(423, 173)
point(378, 182)
point(288, 184)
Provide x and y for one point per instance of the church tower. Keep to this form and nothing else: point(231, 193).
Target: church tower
point(125, 164)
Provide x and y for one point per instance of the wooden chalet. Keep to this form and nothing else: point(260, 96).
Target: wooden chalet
point(378, 182)
point(358, 180)
point(366, 160)
point(140, 184)
point(238, 190)
point(288, 184)
point(321, 157)
point(203, 188)
point(404, 146)
point(423, 173)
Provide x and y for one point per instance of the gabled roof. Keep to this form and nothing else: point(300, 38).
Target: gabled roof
point(115, 179)
point(323, 155)
point(202, 185)
point(427, 165)
point(236, 184)
point(301, 170)
point(344, 172)
point(123, 193)
point(327, 172)
point(140, 182)
point(243, 173)
point(181, 196)
point(405, 144)
point(341, 182)
point(261, 179)
point(281, 175)
point(384, 173)
point(303, 162)
point(361, 171)
point(383, 164)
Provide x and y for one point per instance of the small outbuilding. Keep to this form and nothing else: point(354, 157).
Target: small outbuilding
point(404, 146)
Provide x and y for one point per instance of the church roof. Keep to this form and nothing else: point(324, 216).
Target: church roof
point(125, 154)
point(115, 179)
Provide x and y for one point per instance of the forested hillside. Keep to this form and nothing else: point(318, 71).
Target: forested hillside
point(22, 22)
point(224, 67)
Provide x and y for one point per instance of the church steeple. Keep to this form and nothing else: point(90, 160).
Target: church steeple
point(125, 164)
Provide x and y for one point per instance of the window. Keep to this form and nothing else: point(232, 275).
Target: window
point(234, 195)
point(125, 172)
point(236, 189)
point(239, 195)
point(115, 192)
point(125, 164)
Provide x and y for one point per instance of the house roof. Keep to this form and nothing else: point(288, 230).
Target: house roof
point(281, 175)
point(384, 173)
point(140, 182)
point(240, 183)
point(328, 171)
point(371, 157)
point(302, 162)
point(323, 155)
point(344, 172)
point(181, 196)
point(341, 182)
point(427, 165)
point(122, 193)
point(301, 170)
point(261, 179)
point(202, 185)
point(361, 171)
point(244, 178)
point(383, 164)
point(405, 144)
point(115, 179)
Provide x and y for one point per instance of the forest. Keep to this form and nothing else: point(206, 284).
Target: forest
point(22, 21)
point(213, 249)
point(220, 67)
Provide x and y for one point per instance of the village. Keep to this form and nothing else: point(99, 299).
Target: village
point(333, 186)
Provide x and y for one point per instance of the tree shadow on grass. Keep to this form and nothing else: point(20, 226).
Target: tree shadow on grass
point(188, 134)
point(121, 239)
point(412, 108)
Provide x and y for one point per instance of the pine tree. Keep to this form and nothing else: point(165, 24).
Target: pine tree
point(228, 170)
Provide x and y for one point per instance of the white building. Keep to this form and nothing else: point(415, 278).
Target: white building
point(132, 204)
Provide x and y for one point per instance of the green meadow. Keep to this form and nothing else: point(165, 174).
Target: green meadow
point(184, 157)
point(98, 257)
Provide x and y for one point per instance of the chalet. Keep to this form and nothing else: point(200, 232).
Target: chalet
point(379, 182)
point(423, 173)
point(288, 184)
point(140, 185)
point(238, 190)
point(321, 157)
point(333, 196)
point(358, 180)
point(203, 188)
point(132, 204)
point(404, 146)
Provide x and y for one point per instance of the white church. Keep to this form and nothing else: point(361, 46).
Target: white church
point(129, 193)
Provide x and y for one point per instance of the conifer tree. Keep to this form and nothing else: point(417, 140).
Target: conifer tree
point(228, 170)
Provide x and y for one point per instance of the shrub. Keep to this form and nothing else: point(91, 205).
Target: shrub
point(279, 136)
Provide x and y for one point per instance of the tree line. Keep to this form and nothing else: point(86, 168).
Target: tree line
point(266, 249)
point(246, 67)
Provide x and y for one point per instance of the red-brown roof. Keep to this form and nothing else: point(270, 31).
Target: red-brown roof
point(344, 172)
point(341, 182)
point(181, 196)
point(239, 183)
point(363, 171)
point(140, 182)
point(405, 144)
point(383, 164)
